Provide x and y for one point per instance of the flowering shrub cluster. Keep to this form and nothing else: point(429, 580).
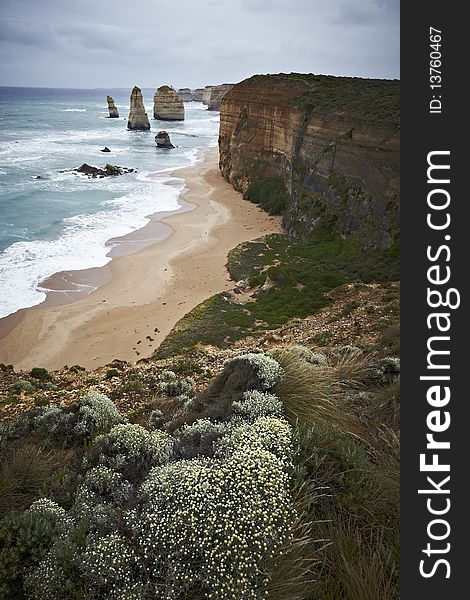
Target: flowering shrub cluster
point(269, 370)
point(257, 404)
point(92, 414)
point(130, 450)
point(159, 516)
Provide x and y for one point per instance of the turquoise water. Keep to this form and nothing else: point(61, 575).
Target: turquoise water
point(52, 221)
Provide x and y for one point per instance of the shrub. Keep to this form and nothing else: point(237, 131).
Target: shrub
point(41, 374)
point(266, 433)
point(171, 386)
point(22, 385)
point(110, 373)
point(25, 539)
point(270, 193)
point(255, 404)
point(156, 419)
point(216, 523)
point(71, 425)
point(386, 370)
point(130, 450)
point(198, 438)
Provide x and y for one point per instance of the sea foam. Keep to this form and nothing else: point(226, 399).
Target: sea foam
point(83, 242)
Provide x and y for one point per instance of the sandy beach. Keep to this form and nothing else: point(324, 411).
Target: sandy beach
point(143, 294)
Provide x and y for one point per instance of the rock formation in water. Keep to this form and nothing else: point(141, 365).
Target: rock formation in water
point(216, 93)
point(113, 111)
point(95, 172)
point(197, 94)
point(105, 149)
point(166, 105)
point(162, 139)
point(330, 143)
point(138, 119)
point(185, 94)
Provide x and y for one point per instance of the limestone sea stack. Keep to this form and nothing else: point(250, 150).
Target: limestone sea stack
point(113, 111)
point(167, 106)
point(138, 119)
point(162, 139)
point(197, 94)
point(185, 94)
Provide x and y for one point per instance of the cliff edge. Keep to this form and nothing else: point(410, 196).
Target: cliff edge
point(321, 150)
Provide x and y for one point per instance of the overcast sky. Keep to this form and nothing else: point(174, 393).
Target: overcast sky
point(119, 43)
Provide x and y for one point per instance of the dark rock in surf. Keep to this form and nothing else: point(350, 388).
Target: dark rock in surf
point(162, 139)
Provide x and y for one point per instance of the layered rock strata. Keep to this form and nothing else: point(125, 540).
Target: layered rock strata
point(185, 94)
point(167, 106)
point(206, 93)
point(162, 139)
point(333, 143)
point(216, 93)
point(138, 119)
point(113, 111)
point(197, 94)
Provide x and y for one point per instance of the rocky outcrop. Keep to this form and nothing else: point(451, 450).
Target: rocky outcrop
point(197, 94)
point(185, 94)
point(206, 93)
point(331, 143)
point(162, 139)
point(138, 119)
point(167, 106)
point(113, 111)
point(94, 172)
point(105, 149)
point(216, 93)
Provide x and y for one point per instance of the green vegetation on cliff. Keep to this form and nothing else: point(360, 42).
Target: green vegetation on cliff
point(374, 99)
point(287, 277)
point(270, 193)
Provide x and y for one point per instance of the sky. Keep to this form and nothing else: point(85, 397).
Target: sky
point(184, 43)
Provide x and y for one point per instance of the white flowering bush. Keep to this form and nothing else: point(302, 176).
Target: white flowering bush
point(197, 439)
point(96, 413)
point(112, 569)
point(269, 371)
point(255, 404)
point(215, 522)
point(69, 425)
point(266, 433)
point(202, 511)
point(130, 450)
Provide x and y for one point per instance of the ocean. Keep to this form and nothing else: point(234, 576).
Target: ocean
point(52, 221)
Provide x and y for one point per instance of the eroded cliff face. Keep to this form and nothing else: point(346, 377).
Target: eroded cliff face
point(333, 141)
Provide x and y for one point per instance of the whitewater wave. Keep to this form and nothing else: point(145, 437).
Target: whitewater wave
point(82, 244)
point(73, 110)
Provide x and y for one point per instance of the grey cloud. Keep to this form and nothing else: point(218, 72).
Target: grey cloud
point(150, 42)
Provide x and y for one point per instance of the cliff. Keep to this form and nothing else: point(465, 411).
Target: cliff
point(322, 150)
point(215, 95)
point(138, 119)
point(167, 106)
point(113, 111)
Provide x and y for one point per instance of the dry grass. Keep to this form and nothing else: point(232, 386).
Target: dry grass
point(25, 471)
point(312, 394)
